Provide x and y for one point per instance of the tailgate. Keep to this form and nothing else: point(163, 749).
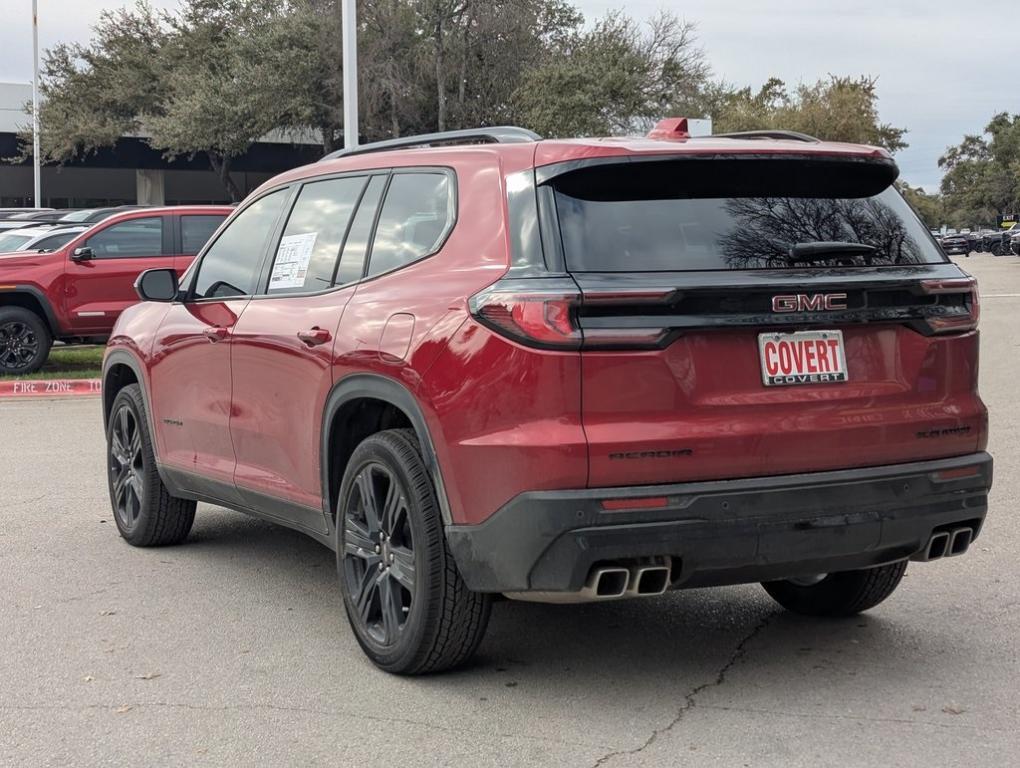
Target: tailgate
point(748, 319)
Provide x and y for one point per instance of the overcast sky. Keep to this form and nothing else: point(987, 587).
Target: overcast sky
point(944, 66)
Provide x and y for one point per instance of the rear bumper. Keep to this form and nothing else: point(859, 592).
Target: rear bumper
point(726, 532)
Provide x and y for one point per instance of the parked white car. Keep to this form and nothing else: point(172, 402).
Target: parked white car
point(37, 238)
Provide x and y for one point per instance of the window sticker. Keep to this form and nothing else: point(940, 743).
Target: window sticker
point(291, 266)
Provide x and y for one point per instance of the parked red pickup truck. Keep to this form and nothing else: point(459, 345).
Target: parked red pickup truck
point(78, 291)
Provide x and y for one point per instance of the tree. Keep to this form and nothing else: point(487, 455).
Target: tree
point(837, 109)
point(930, 208)
point(223, 70)
point(496, 45)
point(982, 178)
point(617, 77)
point(393, 71)
point(93, 94)
point(210, 79)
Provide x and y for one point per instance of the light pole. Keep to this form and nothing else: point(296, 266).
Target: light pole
point(349, 21)
point(37, 186)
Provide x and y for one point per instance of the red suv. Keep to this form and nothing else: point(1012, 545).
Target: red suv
point(77, 291)
point(480, 363)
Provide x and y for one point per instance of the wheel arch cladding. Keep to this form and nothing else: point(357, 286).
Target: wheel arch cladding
point(120, 368)
point(115, 378)
point(361, 405)
point(33, 301)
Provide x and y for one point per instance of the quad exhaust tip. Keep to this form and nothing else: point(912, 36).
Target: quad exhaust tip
point(606, 583)
point(609, 582)
point(648, 580)
point(937, 546)
point(960, 542)
point(947, 544)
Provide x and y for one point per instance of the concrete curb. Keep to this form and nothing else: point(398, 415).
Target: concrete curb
point(50, 388)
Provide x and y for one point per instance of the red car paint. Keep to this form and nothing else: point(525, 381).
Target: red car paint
point(237, 394)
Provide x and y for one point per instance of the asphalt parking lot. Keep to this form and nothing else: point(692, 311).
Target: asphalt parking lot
point(232, 649)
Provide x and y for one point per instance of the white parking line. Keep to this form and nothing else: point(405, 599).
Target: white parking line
point(1000, 295)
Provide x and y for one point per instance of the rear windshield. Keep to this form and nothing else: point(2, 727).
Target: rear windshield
point(720, 214)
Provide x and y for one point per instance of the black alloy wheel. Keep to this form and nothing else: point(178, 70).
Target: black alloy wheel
point(406, 602)
point(127, 469)
point(25, 341)
point(145, 511)
point(18, 345)
point(379, 559)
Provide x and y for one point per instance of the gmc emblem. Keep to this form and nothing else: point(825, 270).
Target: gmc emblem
point(803, 302)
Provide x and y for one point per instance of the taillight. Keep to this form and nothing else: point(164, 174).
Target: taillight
point(959, 318)
point(539, 312)
point(547, 313)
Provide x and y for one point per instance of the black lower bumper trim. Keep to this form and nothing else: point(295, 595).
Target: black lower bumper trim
point(726, 532)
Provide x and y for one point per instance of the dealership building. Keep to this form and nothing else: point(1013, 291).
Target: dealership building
point(131, 171)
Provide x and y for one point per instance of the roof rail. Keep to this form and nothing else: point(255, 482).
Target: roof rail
point(500, 134)
point(769, 134)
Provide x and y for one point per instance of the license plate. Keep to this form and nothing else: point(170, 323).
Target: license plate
point(803, 357)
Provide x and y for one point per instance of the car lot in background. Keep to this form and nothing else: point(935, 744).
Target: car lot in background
point(93, 215)
point(6, 225)
point(956, 244)
point(79, 290)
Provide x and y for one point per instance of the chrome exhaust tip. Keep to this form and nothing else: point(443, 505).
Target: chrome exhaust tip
point(938, 545)
point(607, 583)
point(960, 541)
point(647, 580)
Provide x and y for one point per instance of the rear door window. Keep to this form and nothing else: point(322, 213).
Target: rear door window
point(352, 260)
point(196, 231)
point(734, 215)
point(416, 217)
point(306, 256)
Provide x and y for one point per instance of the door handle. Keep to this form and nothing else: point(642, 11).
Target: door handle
point(216, 333)
point(314, 336)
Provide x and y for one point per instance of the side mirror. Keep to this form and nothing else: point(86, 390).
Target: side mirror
point(83, 254)
point(157, 285)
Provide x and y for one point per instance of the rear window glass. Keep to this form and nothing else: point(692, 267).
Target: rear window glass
point(196, 231)
point(719, 215)
point(415, 216)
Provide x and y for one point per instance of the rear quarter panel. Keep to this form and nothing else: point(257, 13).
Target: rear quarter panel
point(502, 418)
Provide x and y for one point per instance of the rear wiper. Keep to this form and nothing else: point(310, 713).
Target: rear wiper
point(824, 250)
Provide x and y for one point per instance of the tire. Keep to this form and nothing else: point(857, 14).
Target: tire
point(405, 600)
point(839, 594)
point(145, 512)
point(25, 341)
